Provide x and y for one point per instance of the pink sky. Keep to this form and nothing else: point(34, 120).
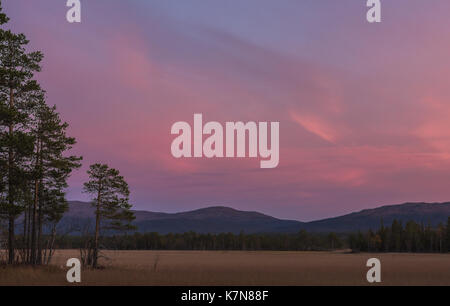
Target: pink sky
point(363, 109)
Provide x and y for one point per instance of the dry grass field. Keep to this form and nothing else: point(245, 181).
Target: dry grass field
point(238, 268)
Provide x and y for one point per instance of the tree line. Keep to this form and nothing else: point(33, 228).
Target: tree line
point(302, 241)
point(35, 164)
point(412, 237)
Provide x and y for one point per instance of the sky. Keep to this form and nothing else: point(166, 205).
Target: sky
point(363, 108)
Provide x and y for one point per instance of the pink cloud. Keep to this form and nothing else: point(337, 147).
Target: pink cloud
point(316, 126)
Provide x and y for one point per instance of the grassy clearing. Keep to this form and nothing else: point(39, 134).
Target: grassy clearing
point(238, 268)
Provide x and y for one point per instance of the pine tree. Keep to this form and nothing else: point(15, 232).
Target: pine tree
point(111, 195)
point(333, 240)
point(18, 92)
point(397, 235)
point(447, 235)
point(441, 237)
point(50, 173)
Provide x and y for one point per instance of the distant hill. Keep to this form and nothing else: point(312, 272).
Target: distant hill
point(207, 220)
point(224, 219)
point(432, 213)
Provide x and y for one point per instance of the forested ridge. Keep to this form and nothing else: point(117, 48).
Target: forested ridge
point(411, 237)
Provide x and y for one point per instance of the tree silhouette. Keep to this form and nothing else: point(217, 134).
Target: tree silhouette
point(112, 210)
point(18, 93)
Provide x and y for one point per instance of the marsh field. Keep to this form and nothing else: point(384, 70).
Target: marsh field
point(238, 268)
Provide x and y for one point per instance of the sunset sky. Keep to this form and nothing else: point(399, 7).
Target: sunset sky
point(364, 109)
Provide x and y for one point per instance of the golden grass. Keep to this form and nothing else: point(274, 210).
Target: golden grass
point(238, 268)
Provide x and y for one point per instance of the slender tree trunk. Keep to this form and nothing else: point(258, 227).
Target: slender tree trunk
point(11, 240)
point(39, 234)
point(24, 239)
point(29, 234)
point(10, 188)
point(35, 208)
point(51, 244)
point(34, 222)
point(97, 229)
point(45, 250)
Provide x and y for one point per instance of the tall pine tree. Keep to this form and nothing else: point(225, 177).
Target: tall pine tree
point(51, 169)
point(18, 93)
point(112, 210)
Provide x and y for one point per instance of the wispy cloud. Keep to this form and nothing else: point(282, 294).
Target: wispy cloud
point(316, 126)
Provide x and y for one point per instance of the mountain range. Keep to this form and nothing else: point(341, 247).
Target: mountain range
point(224, 219)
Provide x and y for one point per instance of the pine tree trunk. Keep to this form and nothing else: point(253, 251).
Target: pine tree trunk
point(24, 239)
point(97, 230)
point(29, 234)
point(11, 240)
point(39, 234)
point(10, 188)
point(51, 244)
point(34, 222)
point(36, 202)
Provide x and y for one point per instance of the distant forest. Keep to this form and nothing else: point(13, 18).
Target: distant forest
point(411, 237)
